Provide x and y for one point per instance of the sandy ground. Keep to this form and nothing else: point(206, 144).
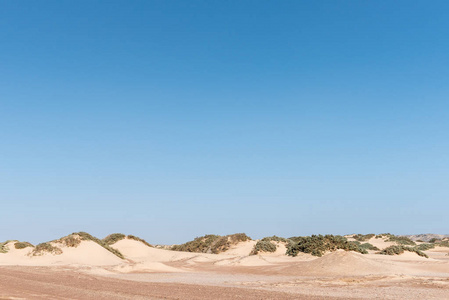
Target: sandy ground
point(89, 271)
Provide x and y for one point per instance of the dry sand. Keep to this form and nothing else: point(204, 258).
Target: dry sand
point(90, 271)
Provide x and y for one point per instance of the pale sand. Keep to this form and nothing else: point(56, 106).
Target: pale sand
point(157, 273)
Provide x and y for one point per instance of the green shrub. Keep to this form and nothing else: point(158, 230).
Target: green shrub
point(424, 247)
point(382, 235)
point(444, 243)
point(317, 245)
point(3, 247)
point(363, 237)
point(132, 237)
point(199, 244)
point(433, 240)
point(402, 240)
point(366, 246)
point(71, 240)
point(263, 246)
point(211, 243)
point(399, 249)
point(22, 245)
point(42, 248)
point(113, 238)
point(87, 237)
point(275, 239)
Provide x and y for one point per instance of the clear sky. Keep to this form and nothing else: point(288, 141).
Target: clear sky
point(174, 119)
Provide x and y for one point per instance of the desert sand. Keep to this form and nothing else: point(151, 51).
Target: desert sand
point(89, 271)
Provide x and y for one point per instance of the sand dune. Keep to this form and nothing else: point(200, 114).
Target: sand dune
point(236, 268)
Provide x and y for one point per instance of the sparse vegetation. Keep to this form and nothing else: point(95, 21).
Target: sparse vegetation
point(22, 245)
point(363, 237)
point(43, 248)
point(71, 240)
point(263, 246)
point(3, 247)
point(444, 243)
point(402, 240)
point(113, 238)
point(317, 245)
point(399, 249)
point(211, 243)
point(132, 237)
point(275, 239)
point(382, 235)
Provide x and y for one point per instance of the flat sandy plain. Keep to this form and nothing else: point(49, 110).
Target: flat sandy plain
point(88, 271)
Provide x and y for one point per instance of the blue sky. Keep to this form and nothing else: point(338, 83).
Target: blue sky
point(174, 119)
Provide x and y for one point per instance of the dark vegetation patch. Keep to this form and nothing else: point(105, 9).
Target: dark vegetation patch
point(424, 247)
point(72, 240)
point(43, 248)
point(366, 246)
point(317, 245)
point(263, 246)
point(113, 238)
point(275, 239)
point(399, 249)
point(402, 240)
point(22, 245)
point(211, 243)
point(3, 247)
point(363, 237)
point(444, 243)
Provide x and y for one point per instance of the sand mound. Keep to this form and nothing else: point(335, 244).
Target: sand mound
point(240, 249)
point(132, 248)
point(346, 263)
point(86, 253)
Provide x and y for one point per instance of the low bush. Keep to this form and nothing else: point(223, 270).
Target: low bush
point(402, 240)
point(363, 237)
point(317, 245)
point(366, 246)
point(424, 247)
point(275, 239)
point(263, 246)
point(22, 245)
point(399, 249)
point(3, 247)
point(113, 238)
point(71, 240)
point(211, 243)
point(43, 248)
point(444, 243)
